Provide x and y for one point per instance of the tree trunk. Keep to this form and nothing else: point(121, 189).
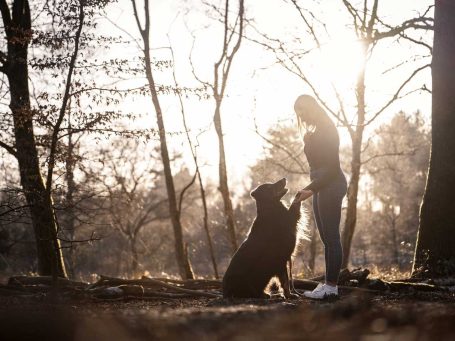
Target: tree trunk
point(206, 225)
point(223, 187)
point(221, 73)
point(435, 248)
point(134, 257)
point(353, 188)
point(50, 261)
point(393, 227)
point(71, 188)
point(183, 263)
point(351, 211)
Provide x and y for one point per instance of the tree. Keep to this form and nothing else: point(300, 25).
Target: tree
point(18, 29)
point(130, 205)
point(369, 30)
point(202, 191)
point(435, 249)
point(233, 31)
point(180, 252)
point(221, 71)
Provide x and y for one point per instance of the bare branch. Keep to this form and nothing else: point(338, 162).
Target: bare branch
point(8, 148)
point(311, 29)
point(289, 153)
point(397, 93)
point(182, 193)
point(423, 23)
point(136, 16)
point(6, 15)
point(65, 99)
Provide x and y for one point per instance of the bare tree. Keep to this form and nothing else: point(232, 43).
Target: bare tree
point(130, 207)
point(180, 252)
point(221, 73)
point(370, 30)
point(18, 29)
point(232, 38)
point(205, 220)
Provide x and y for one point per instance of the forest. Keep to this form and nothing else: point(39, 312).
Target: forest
point(134, 132)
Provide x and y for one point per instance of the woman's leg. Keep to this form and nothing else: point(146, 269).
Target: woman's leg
point(329, 202)
point(317, 219)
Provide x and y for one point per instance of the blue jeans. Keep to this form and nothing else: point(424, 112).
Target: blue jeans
point(327, 214)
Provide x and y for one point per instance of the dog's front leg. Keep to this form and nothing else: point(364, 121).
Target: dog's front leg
point(291, 279)
point(285, 284)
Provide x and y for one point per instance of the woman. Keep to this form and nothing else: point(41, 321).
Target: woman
point(328, 186)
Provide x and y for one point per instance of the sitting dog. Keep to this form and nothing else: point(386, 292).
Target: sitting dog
point(269, 245)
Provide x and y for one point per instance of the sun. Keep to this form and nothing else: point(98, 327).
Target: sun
point(341, 60)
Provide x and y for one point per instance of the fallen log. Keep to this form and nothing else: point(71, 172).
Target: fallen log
point(396, 286)
point(190, 283)
point(114, 281)
point(23, 281)
point(9, 291)
point(104, 280)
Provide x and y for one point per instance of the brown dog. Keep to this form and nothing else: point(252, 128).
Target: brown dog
point(268, 247)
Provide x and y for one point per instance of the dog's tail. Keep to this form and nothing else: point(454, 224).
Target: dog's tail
point(303, 225)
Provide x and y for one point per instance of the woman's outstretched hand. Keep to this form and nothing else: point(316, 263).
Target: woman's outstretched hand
point(302, 195)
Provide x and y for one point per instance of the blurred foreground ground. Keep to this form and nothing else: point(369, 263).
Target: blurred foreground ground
point(355, 316)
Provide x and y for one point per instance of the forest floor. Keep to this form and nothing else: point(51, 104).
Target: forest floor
point(354, 316)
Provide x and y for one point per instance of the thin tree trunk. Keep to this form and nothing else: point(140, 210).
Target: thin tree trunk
point(223, 184)
point(134, 257)
point(50, 261)
point(183, 263)
point(393, 227)
point(206, 227)
point(71, 188)
point(435, 247)
point(221, 74)
point(199, 177)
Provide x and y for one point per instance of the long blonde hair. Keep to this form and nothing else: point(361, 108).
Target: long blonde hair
point(306, 103)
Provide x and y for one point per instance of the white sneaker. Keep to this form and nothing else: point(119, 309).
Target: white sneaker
point(322, 291)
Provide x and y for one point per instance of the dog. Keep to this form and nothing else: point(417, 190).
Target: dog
point(268, 247)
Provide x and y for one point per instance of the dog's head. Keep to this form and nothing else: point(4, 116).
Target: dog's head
point(270, 191)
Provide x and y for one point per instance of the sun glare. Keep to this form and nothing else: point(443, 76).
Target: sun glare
point(341, 60)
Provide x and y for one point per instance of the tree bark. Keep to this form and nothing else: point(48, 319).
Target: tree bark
point(18, 31)
point(435, 247)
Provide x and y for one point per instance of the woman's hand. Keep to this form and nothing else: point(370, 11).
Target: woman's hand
point(302, 195)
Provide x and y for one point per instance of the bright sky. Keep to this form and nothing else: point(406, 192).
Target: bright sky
point(258, 88)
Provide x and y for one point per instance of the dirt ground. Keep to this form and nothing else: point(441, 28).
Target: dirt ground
point(355, 316)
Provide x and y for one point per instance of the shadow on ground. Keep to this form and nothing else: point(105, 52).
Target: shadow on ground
point(415, 316)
